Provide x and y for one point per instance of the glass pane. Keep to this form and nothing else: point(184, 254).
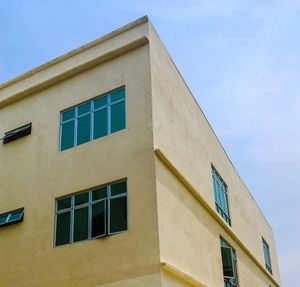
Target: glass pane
point(98, 219)
point(85, 108)
point(81, 224)
point(62, 229)
point(100, 123)
point(118, 95)
point(118, 117)
point(118, 214)
point(100, 102)
point(84, 130)
point(118, 188)
point(16, 216)
point(3, 219)
point(64, 203)
point(100, 193)
point(68, 115)
point(227, 262)
point(81, 198)
point(67, 135)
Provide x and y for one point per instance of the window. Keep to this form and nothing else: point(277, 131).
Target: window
point(267, 255)
point(11, 217)
point(92, 214)
point(221, 196)
point(17, 133)
point(94, 119)
point(229, 264)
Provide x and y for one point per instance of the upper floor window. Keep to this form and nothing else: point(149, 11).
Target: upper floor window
point(92, 214)
point(221, 196)
point(229, 263)
point(11, 217)
point(93, 119)
point(267, 255)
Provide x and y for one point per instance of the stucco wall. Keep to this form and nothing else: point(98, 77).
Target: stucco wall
point(34, 172)
point(183, 134)
point(190, 237)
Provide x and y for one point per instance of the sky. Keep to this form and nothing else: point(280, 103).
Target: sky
point(241, 60)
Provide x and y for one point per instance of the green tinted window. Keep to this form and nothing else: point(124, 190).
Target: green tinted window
point(62, 229)
point(93, 119)
point(118, 95)
point(100, 123)
point(64, 203)
point(96, 213)
point(99, 193)
point(118, 188)
point(70, 114)
point(80, 224)
point(98, 219)
point(81, 198)
point(118, 214)
point(85, 108)
point(84, 130)
point(117, 117)
point(16, 216)
point(100, 102)
point(3, 219)
point(67, 135)
point(221, 196)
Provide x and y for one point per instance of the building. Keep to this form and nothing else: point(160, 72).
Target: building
point(112, 176)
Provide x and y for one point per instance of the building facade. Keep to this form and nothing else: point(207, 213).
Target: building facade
point(112, 176)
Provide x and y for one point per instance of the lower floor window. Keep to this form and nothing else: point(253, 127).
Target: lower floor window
point(92, 214)
point(229, 264)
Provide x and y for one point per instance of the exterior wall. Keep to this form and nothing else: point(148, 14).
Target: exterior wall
point(182, 133)
point(190, 238)
point(166, 221)
point(34, 172)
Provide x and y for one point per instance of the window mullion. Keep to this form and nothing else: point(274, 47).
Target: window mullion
point(72, 219)
point(108, 208)
point(92, 121)
point(90, 216)
point(108, 114)
point(76, 126)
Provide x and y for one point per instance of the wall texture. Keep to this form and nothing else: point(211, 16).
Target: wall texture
point(34, 172)
point(182, 133)
point(165, 152)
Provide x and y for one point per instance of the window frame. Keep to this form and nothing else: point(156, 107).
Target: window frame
point(227, 280)
point(217, 179)
point(91, 113)
point(107, 199)
point(266, 248)
point(8, 215)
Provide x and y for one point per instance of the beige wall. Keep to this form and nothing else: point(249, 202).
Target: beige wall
point(182, 133)
point(167, 223)
point(34, 172)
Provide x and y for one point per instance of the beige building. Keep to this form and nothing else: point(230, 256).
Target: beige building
point(112, 176)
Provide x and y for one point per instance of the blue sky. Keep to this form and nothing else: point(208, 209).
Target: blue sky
point(241, 59)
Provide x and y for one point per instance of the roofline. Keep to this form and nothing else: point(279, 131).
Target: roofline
point(74, 52)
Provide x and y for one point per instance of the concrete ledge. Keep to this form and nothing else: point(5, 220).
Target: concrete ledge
point(181, 274)
point(72, 71)
point(103, 49)
point(161, 156)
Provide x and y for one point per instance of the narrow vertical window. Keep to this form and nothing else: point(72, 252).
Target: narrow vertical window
point(94, 119)
point(266, 250)
point(229, 264)
point(92, 214)
point(221, 196)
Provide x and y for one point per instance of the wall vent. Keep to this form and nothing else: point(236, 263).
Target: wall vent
point(17, 133)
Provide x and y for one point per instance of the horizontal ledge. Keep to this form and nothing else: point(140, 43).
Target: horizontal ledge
point(54, 79)
point(181, 274)
point(76, 51)
point(211, 211)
